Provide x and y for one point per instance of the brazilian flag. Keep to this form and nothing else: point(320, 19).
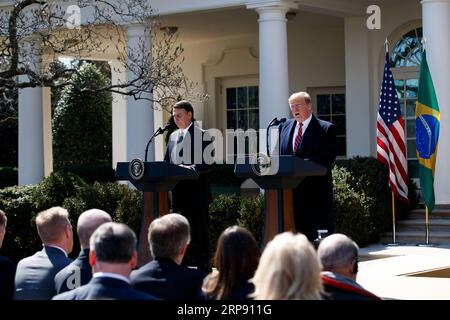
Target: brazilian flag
point(427, 132)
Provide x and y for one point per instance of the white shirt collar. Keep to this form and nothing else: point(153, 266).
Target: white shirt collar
point(111, 275)
point(183, 131)
point(305, 123)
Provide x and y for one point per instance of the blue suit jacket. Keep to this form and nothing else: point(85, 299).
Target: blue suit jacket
point(7, 272)
point(165, 279)
point(104, 288)
point(35, 275)
point(313, 197)
point(79, 272)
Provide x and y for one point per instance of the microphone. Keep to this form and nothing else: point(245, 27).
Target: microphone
point(274, 122)
point(157, 133)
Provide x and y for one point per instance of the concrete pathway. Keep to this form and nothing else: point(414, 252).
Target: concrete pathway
point(406, 272)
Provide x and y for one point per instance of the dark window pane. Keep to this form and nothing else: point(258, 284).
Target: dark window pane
point(413, 168)
point(253, 119)
point(339, 121)
point(411, 88)
point(253, 97)
point(325, 118)
point(411, 148)
point(231, 120)
point(410, 128)
point(338, 104)
point(341, 146)
point(231, 98)
point(323, 104)
point(243, 119)
point(411, 108)
point(242, 98)
point(399, 86)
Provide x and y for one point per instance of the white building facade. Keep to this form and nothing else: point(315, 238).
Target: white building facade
point(249, 56)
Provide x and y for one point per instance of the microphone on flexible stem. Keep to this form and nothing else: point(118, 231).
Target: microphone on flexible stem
point(157, 133)
point(274, 122)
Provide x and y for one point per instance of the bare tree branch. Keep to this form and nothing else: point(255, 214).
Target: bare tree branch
point(34, 34)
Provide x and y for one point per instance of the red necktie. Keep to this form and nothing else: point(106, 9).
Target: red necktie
point(298, 138)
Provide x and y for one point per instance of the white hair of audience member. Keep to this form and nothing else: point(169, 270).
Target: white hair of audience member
point(289, 269)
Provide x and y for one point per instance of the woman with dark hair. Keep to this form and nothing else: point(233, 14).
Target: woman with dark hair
point(236, 259)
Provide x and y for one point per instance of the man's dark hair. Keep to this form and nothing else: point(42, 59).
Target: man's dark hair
point(113, 242)
point(186, 105)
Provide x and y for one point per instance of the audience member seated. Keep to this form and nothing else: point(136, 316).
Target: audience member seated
point(288, 270)
point(35, 275)
point(79, 272)
point(7, 267)
point(236, 260)
point(165, 277)
point(339, 257)
point(112, 256)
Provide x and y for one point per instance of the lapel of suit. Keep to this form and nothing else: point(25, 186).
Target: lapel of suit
point(287, 134)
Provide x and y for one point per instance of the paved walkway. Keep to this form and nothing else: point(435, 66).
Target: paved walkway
point(394, 272)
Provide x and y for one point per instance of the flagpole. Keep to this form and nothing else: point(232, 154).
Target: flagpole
point(426, 225)
point(394, 243)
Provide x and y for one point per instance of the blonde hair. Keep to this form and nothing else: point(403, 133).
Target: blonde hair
point(51, 224)
point(288, 270)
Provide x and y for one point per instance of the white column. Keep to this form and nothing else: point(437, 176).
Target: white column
point(436, 30)
point(31, 133)
point(357, 79)
point(273, 60)
point(139, 112)
point(119, 115)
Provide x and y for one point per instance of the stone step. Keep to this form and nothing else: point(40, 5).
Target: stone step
point(415, 237)
point(436, 224)
point(438, 213)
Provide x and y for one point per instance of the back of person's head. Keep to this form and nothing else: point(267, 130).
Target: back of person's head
point(288, 270)
point(52, 224)
point(168, 235)
point(337, 251)
point(236, 257)
point(3, 221)
point(113, 242)
point(88, 222)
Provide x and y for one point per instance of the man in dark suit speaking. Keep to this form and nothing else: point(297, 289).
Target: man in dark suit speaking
point(311, 139)
point(191, 198)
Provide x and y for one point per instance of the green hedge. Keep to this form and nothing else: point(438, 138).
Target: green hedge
point(22, 204)
point(9, 141)
point(8, 176)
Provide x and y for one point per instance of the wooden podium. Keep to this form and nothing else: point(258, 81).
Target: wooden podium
point(277, 179)
point(155, 180)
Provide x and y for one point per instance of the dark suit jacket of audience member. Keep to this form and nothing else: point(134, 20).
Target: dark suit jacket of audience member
point(313, 204)
point(35, 275)
point(165, 279)
point(104, 288)
point(7, 273)
point(81, 265)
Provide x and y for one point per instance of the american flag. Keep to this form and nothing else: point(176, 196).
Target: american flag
point(391, 149)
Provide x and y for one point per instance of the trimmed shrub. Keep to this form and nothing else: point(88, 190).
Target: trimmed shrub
point(102, 172)
point(251, 215)
point(352, 209)
point(9, 141)
point(8, 176)
point(82, 123)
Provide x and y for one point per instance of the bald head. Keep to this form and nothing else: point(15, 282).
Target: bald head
point(88, 222)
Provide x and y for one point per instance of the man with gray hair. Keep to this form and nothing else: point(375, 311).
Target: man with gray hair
point(79, 272)
point(339, 257)
point(165, 276)
point(35, 275)
point(112, 257)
